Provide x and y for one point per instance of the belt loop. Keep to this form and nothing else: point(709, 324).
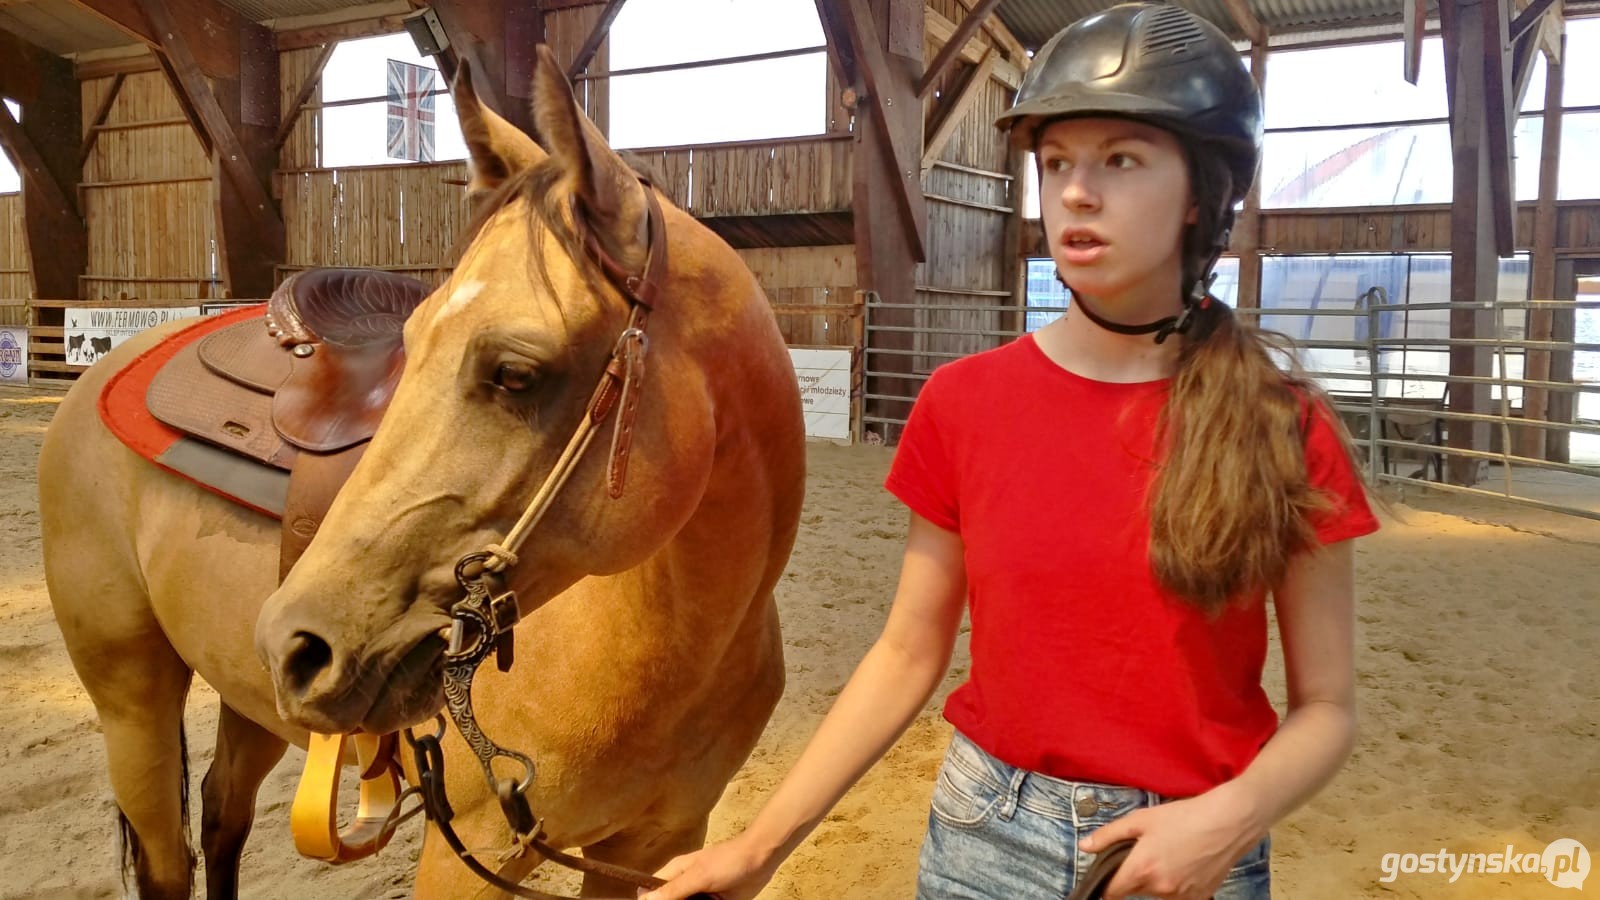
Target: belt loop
point(1008, 803)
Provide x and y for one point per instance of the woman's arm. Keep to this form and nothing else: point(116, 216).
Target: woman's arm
point(887, 691)
point(1187, 847)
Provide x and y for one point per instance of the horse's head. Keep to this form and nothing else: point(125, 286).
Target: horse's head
point(503, 365)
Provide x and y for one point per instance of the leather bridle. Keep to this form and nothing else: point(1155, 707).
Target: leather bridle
point(482, 621)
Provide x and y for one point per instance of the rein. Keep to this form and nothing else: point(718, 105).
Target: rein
point(482, 621)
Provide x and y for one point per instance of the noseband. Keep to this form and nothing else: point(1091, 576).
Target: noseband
point(482, 621)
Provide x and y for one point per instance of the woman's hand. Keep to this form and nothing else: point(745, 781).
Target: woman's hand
point(734, 870)
point(1185, 848)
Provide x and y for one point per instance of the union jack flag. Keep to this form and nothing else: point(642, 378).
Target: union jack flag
point(410, 111)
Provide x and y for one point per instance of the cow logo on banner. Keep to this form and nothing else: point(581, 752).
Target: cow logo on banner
point(410, 111)
point(13, 363)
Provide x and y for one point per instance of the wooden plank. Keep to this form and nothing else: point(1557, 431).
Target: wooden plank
point(252, 227)
point(955, 109)
point(893, 129)
point(333, 32)
point(957, 41)
point(941, 29)
point(602, 27)
point(1541, 322)
point(307, 88)
point(209, 27)
point(44, 147)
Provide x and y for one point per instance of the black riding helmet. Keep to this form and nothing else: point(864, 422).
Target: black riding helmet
point(1162, 65)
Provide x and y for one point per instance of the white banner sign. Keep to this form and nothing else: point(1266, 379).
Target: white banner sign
point(91, 333)
point(13, 355)
point(824, 391)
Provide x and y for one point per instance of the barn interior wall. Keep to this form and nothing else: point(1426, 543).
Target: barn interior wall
point(16, 281)
point(147, 196)
point(812, 290)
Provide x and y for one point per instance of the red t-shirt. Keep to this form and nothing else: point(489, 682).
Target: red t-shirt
point(1083, 667)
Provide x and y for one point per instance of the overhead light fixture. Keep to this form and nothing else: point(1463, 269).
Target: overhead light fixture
point(426, 32)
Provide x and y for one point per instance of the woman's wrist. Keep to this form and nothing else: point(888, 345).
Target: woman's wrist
point(1243, 810)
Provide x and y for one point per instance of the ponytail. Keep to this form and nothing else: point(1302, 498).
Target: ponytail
point(1232, 501)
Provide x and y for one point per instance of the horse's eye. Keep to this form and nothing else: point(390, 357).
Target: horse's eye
point(515, 377)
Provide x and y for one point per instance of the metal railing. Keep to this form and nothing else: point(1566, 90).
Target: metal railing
point(1379, 406)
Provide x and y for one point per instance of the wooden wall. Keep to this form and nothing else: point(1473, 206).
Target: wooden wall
point(812, 289)
point(15, 281)
point(565, 30)
point(1394, 229)
point(147, 197)
point(792, 175)
point(970, 207)
point(398, 218)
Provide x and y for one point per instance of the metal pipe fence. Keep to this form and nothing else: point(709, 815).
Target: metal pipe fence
point(1399, 403)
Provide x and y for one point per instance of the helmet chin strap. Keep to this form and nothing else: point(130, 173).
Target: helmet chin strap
point(1197, 297)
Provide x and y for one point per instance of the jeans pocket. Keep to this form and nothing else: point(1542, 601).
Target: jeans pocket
point(961, 800)
point(1251, 877)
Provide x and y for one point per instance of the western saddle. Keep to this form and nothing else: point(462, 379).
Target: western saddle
point(302, 391)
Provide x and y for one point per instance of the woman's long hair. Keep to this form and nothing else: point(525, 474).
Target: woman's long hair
point(1231, 501)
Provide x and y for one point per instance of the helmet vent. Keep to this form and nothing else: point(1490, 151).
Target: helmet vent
point(1168, 28)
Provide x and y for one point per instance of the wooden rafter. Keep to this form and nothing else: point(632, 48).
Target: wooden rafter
point(313, 78)
point(840, 56)
point(1526, 19)
point(1414, 22)
point(602, 27)
point(1245, 18)
point(496, 38)
point(902, 160)
point(952, 47)
point(940, 29)
point(1498, 114)
point(31, 165)
point(100, 113)
point(955, 109)
point(211, 28)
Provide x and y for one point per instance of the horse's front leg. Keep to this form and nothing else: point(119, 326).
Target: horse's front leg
point(643, 850)
point(246, 752)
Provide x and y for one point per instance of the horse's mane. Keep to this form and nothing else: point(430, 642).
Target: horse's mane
point(540, 186)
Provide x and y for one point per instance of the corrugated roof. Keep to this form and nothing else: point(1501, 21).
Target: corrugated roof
point(1289, 21)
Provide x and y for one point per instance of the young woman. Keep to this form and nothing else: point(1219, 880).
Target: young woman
point(1175, 479)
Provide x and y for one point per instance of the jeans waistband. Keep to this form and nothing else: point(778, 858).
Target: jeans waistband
point(1080, 802)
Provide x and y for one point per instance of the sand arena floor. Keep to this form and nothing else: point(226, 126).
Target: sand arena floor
point(1479, 659)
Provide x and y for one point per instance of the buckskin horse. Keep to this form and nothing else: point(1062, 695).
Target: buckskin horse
point(648, 655)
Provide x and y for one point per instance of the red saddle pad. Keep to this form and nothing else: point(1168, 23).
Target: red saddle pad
point(122, 409)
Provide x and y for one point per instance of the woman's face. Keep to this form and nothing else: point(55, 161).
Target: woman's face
point(1114, 196)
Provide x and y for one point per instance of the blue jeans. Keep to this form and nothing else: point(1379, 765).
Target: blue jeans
point(997, 832)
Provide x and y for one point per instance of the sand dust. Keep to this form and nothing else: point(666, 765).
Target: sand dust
point(1479, 656)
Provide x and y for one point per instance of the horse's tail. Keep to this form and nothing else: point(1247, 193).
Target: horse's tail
point(128, 839)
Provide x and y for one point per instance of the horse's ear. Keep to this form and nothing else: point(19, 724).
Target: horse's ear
point(613, 199)
point(496, 149)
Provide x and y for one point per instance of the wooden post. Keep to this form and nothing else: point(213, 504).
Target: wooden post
point(1474, 264)
point(1536, 401)
point(45, 146)
point(1247, 231)
point(1563, 406)
point(497, 37)
point(888, 59)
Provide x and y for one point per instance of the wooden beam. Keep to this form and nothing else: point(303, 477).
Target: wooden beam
point(953, 46)
point(602, 27)
point(1526, 19)
point(122, 65)
point(211, 28)
point(44, 146)
point(1247, 229)
point(894, 137)
point(1499, 116)
point(333, 32)
point(941, 29)
point(190, 112)
point(1536, 401)
point(249, 228)
point(955, 109)
point(496, 37)
point(1414, 23)
point(313, 78)
point(840, 56)
point(100, 113)
point(1239, 11)
point(1474, 269)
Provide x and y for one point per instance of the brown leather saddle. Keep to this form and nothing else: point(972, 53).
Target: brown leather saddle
point(301, 391)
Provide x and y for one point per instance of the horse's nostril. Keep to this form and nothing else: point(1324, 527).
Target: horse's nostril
point(308, 656)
